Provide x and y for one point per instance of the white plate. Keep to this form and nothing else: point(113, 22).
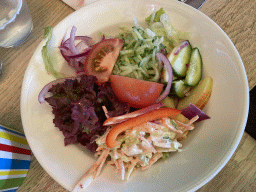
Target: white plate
point(209, 146)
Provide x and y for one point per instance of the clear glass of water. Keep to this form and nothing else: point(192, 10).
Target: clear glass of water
point(15, 22)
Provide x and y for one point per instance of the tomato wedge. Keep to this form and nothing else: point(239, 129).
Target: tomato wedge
point(102, 57)
point(111, 141)
point(137, 93)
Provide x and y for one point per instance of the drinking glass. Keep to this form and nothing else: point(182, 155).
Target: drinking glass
point(15, 22)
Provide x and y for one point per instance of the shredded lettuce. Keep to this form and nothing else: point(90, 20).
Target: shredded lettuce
point(160, 24)
point(155, 16)
point(46, 54)
point(137, 58)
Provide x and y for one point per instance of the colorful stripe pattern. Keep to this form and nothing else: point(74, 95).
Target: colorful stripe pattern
point(14, 159)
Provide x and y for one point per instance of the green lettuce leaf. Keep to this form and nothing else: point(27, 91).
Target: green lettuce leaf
point(156, 16)
point(47, 56)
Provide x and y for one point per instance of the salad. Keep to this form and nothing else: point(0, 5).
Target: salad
point(135, 97)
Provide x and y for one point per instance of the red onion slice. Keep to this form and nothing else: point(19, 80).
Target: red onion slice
point(64, 52)
point(81, 72)
point(86, 39)
point(71, 45)
point(74, 53)
point(77, 63)
point(183, 44)
point(163, 59)
point(81, 46)
point(119, 119)
point(82, 54)
point(191, 111)
point(44, 91)
point(67, 54)
point(73, 63)
point(63, 39)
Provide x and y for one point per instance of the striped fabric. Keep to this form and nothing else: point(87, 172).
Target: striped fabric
point(14, 159)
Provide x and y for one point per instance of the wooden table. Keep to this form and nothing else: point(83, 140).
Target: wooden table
point(236, 17)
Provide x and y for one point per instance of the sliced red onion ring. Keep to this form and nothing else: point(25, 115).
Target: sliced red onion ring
point(119, 119)
point(81, 46)
point(44, 91)
point(183, 44)
point(81, 72)
point(73, 63)
point(77, 63)
point(64, 39)
point(65, 51)
point(67, 54)
point(82, 54)
point(74, 53)
point(72, 45)
point(162, 58)
point(191, 111)
point(86, 39)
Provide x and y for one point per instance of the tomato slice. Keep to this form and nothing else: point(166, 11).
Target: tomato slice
point(137, 93)
point(102, 57)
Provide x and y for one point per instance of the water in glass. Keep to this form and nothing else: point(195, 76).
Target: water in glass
point(15, 22)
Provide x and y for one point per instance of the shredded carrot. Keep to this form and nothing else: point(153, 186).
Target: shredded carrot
point(105, 111)
point(111, 141)
point(193, 120)
point(170, 126)
point(121, 168)
point(147, 145)
point(131, 168)
point(93, 172)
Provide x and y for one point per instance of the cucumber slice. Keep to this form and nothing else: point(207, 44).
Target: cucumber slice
point(175, 78)
point(194, 72)
point(165, 76)
point(179, 88)
point(180, 60)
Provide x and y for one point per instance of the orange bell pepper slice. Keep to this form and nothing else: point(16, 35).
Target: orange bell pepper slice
point(111, 141)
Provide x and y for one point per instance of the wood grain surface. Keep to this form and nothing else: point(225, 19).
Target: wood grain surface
point(236, 17)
